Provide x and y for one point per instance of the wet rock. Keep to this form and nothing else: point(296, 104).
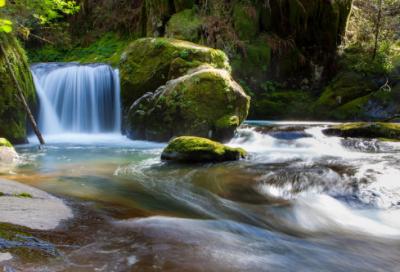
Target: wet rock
point(200, 150)
point(5, 257)
point(365, 130)
point(33, 208)
point(206, 103)
point(149, 63)
point(7, 151)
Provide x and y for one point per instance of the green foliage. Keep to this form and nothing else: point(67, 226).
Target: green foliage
point(106, 49)
point(40, 17)
point(160, 44)
point(357, 59)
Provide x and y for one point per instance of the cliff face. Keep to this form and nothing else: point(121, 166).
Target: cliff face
point(12, 115)
point(282, 52)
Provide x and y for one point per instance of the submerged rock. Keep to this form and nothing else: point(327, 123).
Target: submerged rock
point(365, 130)
point(198, 150)
point(7, 151)
point(206, 103)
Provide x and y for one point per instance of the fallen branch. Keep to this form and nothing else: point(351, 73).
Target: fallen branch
point(385, 86)
point(21, 97)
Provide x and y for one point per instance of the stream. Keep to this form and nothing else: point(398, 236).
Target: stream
point(301, 202)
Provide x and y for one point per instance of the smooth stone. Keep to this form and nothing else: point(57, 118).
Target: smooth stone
point(43, 212)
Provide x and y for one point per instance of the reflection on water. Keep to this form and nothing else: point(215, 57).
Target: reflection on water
point(301, 202)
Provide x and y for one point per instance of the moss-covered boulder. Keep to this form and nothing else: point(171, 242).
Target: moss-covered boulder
point(205, 103)
point(7, 151)
point(12, 115)
point(365, 130)
point(146, 64)
point(200, 150)
point(185, 25)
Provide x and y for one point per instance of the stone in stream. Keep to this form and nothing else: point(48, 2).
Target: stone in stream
point(30, 207)
point(199, 150)
point(384, 131)
point(7, 151)
point(205, 103)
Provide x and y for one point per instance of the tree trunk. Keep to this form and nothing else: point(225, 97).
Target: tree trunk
point(21, 96)
point(377, 29)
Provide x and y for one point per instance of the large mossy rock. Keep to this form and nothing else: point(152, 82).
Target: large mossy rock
point(185, 25)
point(205, 103)
point(7, 151)
point(200, 150)
point(149, 63)
point(365, 130)
point(12, 115)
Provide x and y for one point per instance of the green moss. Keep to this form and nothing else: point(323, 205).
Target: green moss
point(185, 25)
point(352, 110)
point(246, 27)
point(22, 195)
point(4, 142)
point(367, 129)
point(197, 147)
point(257, 61)
point(106, 49)
point(347, 86)
point(1, 193)
point(227, 122)
point(12, 115)
point(197, 101)
point(20, 242)
point(145, 66)
point(389, 140)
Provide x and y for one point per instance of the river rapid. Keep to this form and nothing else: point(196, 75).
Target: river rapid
point(301, 202)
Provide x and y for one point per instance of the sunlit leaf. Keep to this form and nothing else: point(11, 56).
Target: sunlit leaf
point(5, 22)
point(6, 28)
point(2, 3)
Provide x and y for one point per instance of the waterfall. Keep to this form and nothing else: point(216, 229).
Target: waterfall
point(77, 98)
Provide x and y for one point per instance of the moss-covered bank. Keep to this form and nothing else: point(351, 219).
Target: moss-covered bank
point(365, 130)
point(12, 115)
point(200, 150)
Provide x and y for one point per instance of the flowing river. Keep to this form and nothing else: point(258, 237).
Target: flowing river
point(301, 202)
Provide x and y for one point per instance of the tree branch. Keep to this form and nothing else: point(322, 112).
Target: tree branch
point(21, 95)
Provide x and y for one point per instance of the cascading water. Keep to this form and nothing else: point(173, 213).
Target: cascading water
point(77, 98)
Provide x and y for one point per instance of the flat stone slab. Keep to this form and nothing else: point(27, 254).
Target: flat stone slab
point(43, 212)
point(5, 257)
